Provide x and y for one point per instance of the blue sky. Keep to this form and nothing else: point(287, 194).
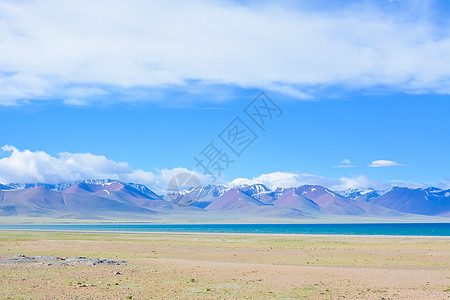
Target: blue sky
point(358, 83)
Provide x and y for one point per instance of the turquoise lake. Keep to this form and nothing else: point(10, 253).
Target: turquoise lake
point(406, 229)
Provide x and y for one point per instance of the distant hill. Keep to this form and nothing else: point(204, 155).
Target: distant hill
point(42, 202)
point(431, 201)
point(108, 199)
point(293, 198)
point(234, 199)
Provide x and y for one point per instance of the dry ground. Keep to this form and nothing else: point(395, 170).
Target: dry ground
point(215, 266)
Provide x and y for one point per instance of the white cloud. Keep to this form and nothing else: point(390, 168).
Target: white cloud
point(345, 163)
point(412, 185)
point(361, 182)
point(286, 180)
point(164, 177)
point(38, 166)
point(49, 48)
point(382, 163)
point(444, 184)
point(30, 167)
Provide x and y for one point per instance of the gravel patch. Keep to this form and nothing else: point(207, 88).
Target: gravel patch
point(57, 261)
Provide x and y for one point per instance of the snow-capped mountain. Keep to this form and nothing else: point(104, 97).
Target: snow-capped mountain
point(40, 201)
point(254, 189)
point(98, 197)
point(4, 187)
point(329, 201)
point(293, 198)
point(119, 191)
point(233, 199)
point(259, 192)
point(55, 187)
point(429, 201)
point(363, 195)
point(200, 196)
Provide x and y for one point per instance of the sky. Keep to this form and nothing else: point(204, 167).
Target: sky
point(355, 94)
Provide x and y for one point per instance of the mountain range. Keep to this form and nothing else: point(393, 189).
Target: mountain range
point(110, 199)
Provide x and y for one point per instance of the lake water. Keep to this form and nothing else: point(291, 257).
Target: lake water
point(406, 229)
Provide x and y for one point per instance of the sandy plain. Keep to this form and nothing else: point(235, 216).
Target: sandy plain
point(231, 266)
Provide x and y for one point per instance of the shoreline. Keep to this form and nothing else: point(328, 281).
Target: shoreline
point(443, 237)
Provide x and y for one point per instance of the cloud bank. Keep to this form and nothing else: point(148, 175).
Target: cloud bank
point(288, 180)
point(40, 167)
point(25, 166)
point(82, 51)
